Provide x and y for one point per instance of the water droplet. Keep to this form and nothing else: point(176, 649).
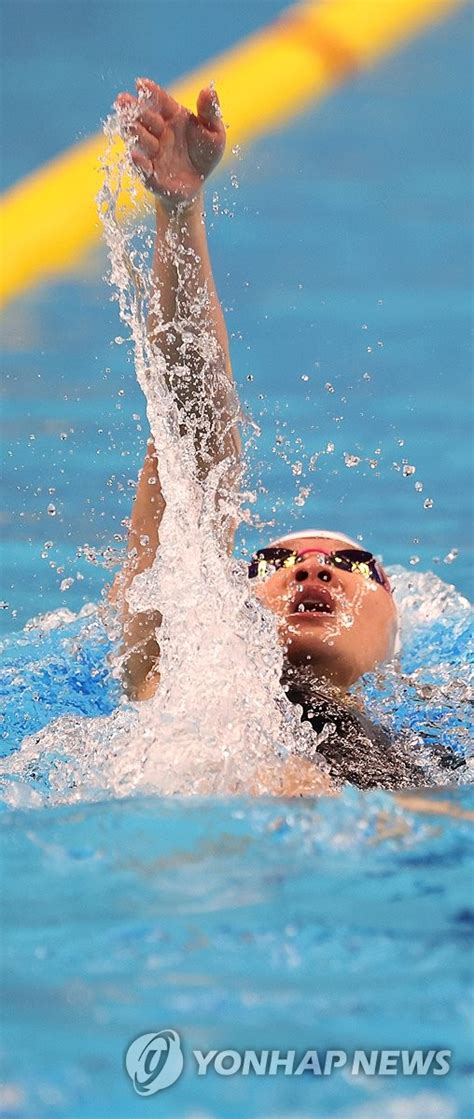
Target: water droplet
point(419, 487)
point(152, 481)
point(63, 435)
point(249, 376)
point(144, 540)
point(234, 182)
point(451, 556)
point(297, 468)
point(51, 510)
point(408, 470)
point(329, 448)
point(365, 326)
point(414, 560)
point(380, 344)
point(366, 377)
point(119, 341)
point(428, 503)
point(121, 392)
point(369, 349)
point(351, 460)
point(302, 497)
point(304, 377)
point(65, 584)
point(329, 387)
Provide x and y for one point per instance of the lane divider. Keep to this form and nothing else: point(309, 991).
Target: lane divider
point(49, 219)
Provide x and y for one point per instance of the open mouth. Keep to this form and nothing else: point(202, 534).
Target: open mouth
point(318, 601)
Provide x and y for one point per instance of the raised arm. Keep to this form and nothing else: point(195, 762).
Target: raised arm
point(175, 152)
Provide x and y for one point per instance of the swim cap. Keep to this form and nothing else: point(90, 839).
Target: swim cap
point(314, 532)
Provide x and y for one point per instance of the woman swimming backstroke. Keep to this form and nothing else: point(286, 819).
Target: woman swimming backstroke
point(337, 618)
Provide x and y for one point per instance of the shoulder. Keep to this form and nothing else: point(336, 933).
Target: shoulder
point(357, 750)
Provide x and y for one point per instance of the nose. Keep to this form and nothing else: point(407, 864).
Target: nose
point(324, 574)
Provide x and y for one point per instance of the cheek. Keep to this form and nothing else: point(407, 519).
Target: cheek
point(355, 601)
point(272, 593)
point(263, 592)
point(376, 620)
point(368, 611)
point(258, 590)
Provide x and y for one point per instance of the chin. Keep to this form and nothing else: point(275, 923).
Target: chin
point(333, 663)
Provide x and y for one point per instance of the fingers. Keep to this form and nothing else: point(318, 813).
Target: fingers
point(125, 101)
point(143, 164)
point(209, 110)
point(140, 121)
point(161, 101)
point(146, 140)
point(126, 105)
point(151, 120)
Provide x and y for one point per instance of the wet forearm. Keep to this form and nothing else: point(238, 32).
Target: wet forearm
point(183, 273)
point(187, 326)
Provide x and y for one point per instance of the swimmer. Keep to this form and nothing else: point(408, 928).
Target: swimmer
point(337, 618)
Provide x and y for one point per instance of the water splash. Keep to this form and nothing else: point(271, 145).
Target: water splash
point(103, 746)
point(428, 695)
point(219, 712)
point(220, 715)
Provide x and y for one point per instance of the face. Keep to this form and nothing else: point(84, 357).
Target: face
point(339, 623)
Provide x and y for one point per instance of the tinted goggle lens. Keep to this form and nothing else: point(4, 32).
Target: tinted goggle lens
point(364, 563)
point(268, 560)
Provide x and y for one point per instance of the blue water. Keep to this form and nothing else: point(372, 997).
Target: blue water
point(62, 665)
point(241, 925)
point(343, 924)
point(377, 208)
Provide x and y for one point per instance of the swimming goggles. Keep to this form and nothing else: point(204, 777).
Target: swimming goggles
point(268, 560)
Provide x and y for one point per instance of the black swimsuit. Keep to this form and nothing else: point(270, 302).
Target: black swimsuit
point(364, 754)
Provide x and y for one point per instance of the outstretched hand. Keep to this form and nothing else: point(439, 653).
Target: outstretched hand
point(175, 149)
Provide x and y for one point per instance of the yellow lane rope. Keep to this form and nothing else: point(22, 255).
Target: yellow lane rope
point(49, 219)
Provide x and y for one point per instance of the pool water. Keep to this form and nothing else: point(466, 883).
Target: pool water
point(366, 242)
point(343, 262)
point(341, 924)
point(61, 698)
